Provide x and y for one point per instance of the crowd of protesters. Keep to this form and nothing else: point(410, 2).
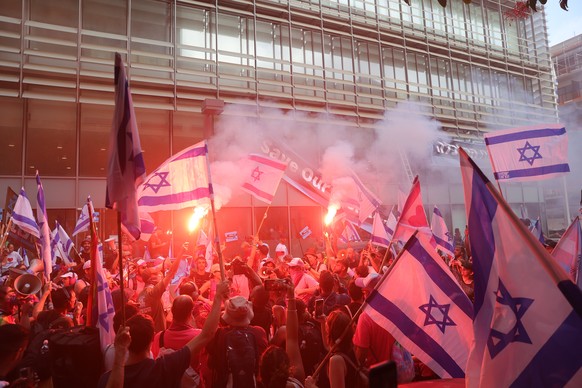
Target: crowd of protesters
point(266, 318)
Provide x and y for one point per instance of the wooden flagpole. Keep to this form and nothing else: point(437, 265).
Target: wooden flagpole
point(216, 237)
point(120, 265)
point(262, 221)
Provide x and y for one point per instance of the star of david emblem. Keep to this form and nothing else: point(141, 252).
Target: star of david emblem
point(498, 340)
point(437, 314)
point(449, 236)
point(530, 159)
point(162, 182)
point(256, 174)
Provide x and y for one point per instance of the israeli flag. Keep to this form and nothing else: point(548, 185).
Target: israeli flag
point(22, 215)
point(379, 233)
point(83, 221)
point(530, 153)
point(421, 304)
point(443, 237)
point(527, 324)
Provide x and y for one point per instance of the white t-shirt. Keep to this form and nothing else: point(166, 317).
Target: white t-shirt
point(13, 260)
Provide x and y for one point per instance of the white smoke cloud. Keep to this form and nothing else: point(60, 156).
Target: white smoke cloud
point(337, 150)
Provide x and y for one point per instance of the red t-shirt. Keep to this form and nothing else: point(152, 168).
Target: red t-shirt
point(369, 335)
point(176, 337)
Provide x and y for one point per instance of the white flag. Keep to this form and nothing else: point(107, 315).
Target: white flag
point(527, 325)
point(529, 153)
point(443, 237)
point(180, 182)
point(22, 215)
point(263, 177)
point(421, 304)
point(379, 234)
point(83, 221)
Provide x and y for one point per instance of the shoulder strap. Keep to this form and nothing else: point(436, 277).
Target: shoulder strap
point(348, 360)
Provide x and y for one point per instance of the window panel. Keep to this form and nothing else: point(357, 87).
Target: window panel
point(188, 129)
point(51, 138)
point(105, 15)
point(151, 38)
point(58, 12)
point(154, 133)
point(94, 139)
point(11, 111)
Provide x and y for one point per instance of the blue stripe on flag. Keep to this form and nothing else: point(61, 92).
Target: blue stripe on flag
point(557, 361)
point(523, 135)
point(380, 240)
point(443, 243)
point(25, 220)
point(194, 152)
point(415, 333)
point(536, 171)
point(259, 193)
point(439, 276)
point(481, 214)
point(196, 194)
point(437, 212)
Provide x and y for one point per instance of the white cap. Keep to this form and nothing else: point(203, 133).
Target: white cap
point(367, 282)
point(281, 248)
point(296, 262)
point(69, 275)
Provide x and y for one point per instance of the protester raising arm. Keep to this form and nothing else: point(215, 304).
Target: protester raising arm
point(169, 276)
point(292, 343)
point(211, 324)
point(122, 341)
point(46, 292)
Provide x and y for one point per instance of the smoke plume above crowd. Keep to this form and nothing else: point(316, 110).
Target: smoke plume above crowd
point(374, 154)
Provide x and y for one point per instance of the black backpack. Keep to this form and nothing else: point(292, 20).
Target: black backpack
point(238, 348)
point(37, 354)
point(76, 359)
point(310, 346)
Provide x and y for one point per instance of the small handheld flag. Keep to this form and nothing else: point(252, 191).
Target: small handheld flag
point(443, 237)
point(264, 176)
point(22, 215)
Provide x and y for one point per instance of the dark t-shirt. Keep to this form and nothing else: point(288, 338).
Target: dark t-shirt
point(199, 280)
point(150, 301)
point(165, 371)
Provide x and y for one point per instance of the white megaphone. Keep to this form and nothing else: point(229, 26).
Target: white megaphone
point(27, 284)
point(36, 266)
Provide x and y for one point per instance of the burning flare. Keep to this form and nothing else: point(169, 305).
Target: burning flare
point(331, 211)
point(199, 213)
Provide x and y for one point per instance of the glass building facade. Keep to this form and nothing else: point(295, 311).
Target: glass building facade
point(473, 71)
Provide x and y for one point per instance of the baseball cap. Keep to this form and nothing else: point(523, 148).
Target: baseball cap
point(368, 282)
point(296, 262)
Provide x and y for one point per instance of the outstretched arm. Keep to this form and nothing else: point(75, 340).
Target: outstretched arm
point(122, 341)
point(211, 324)
point(292, 343)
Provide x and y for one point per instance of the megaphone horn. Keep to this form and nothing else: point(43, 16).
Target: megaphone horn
point(27, 284)
point(36, 266)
